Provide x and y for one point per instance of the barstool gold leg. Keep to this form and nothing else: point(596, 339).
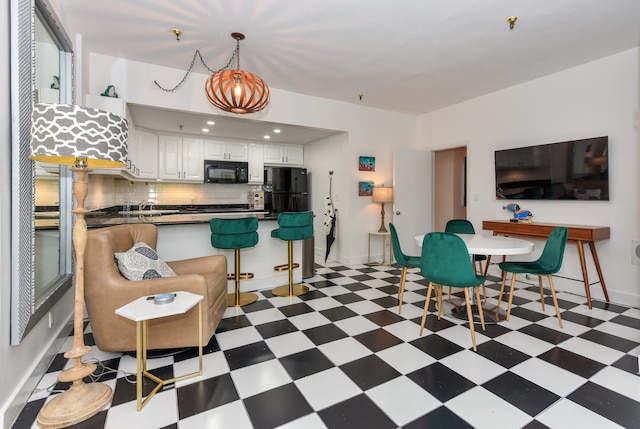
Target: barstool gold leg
point(290, 289)
point(238, 299)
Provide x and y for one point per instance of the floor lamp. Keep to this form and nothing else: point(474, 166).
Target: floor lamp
point(382, 195)
point(83, 137)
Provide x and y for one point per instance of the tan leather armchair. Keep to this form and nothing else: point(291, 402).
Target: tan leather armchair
point(106, 290)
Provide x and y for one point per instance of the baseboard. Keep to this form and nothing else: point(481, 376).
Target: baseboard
point(25, 388)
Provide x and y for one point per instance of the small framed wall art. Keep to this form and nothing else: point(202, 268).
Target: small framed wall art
point(365, 189)
point(367, 163)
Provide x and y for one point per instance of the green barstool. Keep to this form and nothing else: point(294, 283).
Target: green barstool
point(236, 234)
point(293, 226)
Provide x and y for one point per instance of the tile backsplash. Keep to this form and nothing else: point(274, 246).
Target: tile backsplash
point(107, 191)
point(180, 193)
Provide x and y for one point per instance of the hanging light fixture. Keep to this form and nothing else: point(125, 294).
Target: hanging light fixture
point(237, 91)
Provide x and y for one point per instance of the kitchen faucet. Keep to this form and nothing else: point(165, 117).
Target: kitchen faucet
point(144, 204)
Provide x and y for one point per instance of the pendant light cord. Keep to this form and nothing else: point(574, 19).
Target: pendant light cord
point(235, 56)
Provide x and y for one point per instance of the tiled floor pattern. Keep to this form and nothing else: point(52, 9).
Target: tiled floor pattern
point(341, 357)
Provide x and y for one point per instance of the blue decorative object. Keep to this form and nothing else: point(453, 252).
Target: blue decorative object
point(513, 207)
point(519, 215)
point(110, 92)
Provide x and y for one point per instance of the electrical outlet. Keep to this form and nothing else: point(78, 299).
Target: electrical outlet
point(635, 252)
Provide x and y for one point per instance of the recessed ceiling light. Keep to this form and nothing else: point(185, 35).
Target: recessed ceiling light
point(267, 137)
point(210, 123)
point(205, 130)
point(276, 131)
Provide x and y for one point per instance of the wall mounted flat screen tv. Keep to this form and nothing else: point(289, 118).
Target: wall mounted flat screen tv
point(571, 170)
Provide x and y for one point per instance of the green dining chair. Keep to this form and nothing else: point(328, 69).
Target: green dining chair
point(547, 264)
point(405, 261)
point(463, 226)
point(445, 262)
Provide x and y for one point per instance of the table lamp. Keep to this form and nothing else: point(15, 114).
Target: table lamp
point(382, 195)
point(82, 137)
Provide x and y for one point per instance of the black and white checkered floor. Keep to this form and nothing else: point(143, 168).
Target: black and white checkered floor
point(341, 357)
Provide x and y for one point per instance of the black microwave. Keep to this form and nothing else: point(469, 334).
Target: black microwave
point(226, 172)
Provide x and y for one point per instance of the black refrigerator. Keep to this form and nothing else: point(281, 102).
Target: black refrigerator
point(286, 189)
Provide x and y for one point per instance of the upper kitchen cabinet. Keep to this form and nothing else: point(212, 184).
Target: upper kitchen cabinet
point(226, 151)
point(180, 159)
point(143, 155)
point(116, 106)
point(256, 163)
point(283, 154)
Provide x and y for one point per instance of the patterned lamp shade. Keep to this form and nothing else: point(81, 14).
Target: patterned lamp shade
point(64, 133)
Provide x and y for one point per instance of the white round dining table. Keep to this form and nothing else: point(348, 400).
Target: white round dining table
point(478, 244)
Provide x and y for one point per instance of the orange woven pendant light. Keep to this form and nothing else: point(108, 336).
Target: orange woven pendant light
point(237, 91)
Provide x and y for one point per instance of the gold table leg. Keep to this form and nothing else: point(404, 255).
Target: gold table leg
point(141, 362)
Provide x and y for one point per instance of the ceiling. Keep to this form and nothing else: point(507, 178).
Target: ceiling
point(172, 121)
point(410, 56)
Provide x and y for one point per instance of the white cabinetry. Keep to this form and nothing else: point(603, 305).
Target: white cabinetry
point(116, 106)
point(180, 158)
point(256, 163)
point(192, 159)
point(283, 154)
point(226, 151)
point(143, 155)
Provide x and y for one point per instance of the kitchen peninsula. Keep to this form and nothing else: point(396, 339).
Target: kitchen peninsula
point(183, 232)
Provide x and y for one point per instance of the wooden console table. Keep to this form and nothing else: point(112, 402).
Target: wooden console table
point(578, 234)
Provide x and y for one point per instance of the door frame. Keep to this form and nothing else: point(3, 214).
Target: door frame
point(449, 190)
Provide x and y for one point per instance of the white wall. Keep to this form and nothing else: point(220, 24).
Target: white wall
point(598, 98)
point(367, 132)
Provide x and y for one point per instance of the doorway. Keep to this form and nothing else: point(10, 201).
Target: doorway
point(450, 186)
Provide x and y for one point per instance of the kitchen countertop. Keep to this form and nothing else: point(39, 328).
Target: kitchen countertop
point(160, 215)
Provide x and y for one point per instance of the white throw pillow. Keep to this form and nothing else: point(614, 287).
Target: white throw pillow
point(141, 262)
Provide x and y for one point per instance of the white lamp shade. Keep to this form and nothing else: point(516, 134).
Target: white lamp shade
point(382, 195)
point(61, 133)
